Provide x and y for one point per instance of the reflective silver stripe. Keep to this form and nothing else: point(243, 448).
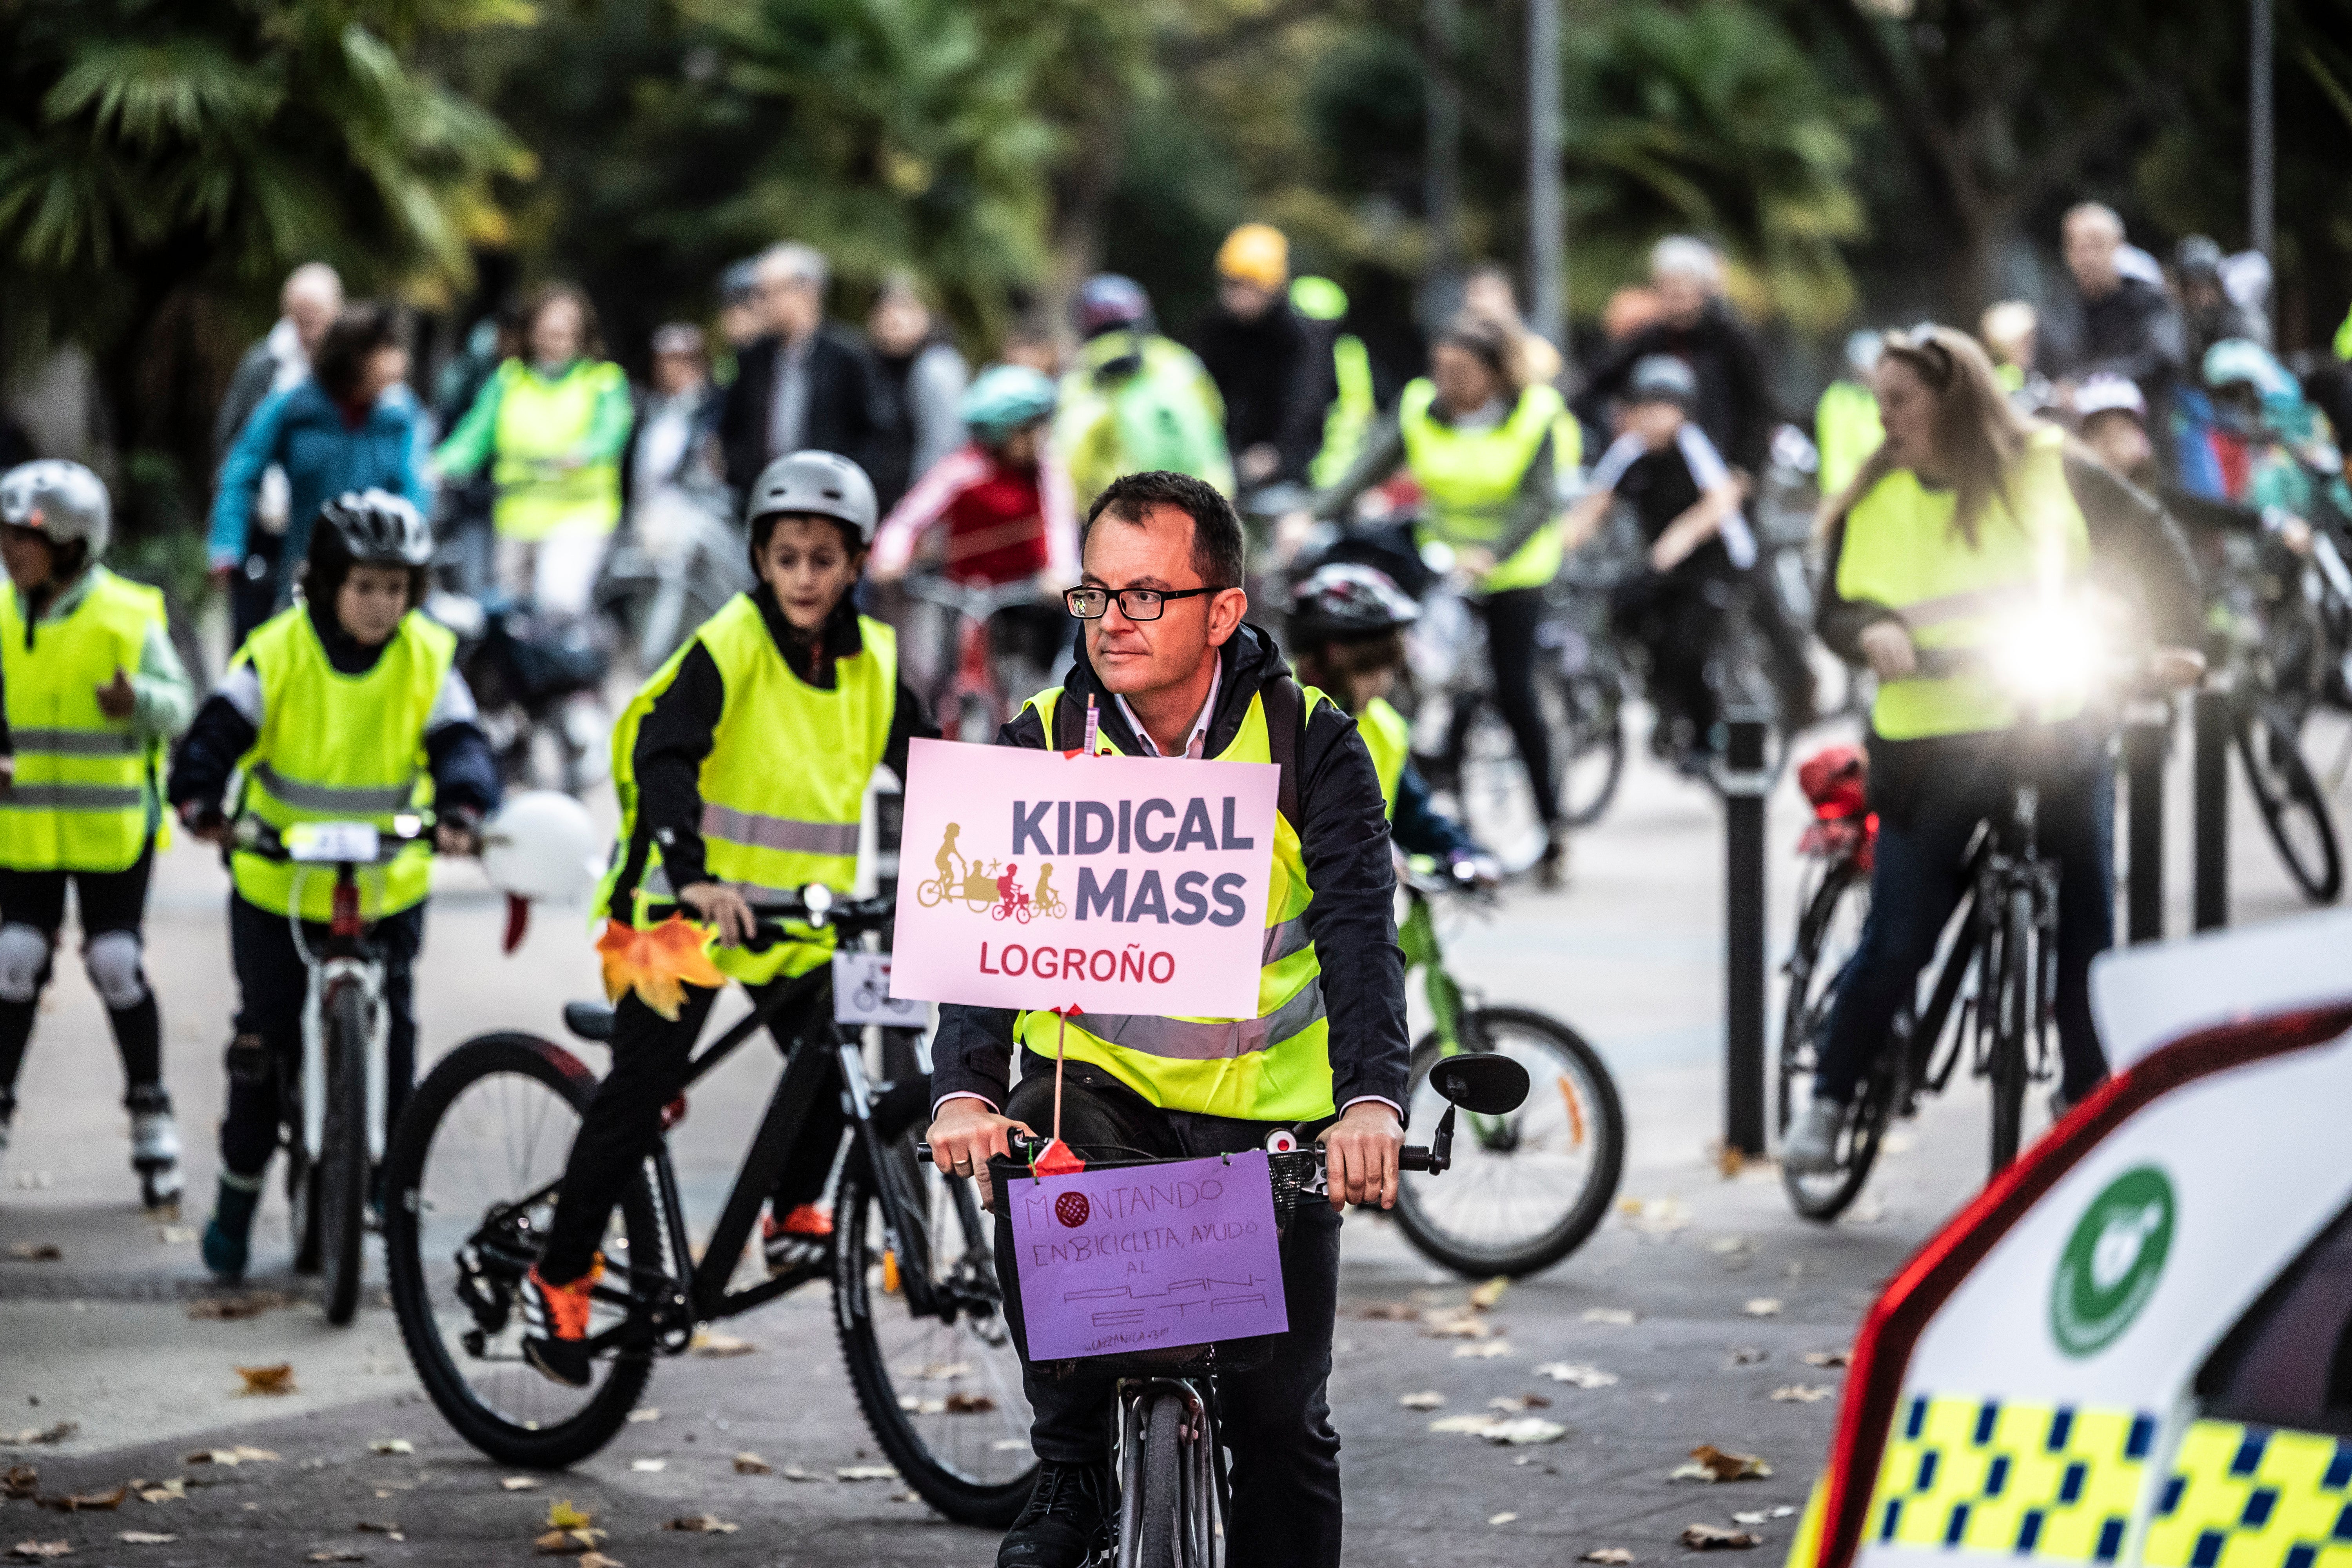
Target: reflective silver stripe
point(1283, 940)
point(72, 797)
point(778, 832)
point(656, 886)
point(78, 743)
point(1189, 1040)
point(373, 800)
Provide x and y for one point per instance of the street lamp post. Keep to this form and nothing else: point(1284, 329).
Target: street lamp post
point(1442, 173)
point(1547, 216)
point(2263, 129)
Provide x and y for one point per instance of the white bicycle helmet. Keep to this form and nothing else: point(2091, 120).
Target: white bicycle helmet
point(816, 484)
point(62, 501)
point(542, 844)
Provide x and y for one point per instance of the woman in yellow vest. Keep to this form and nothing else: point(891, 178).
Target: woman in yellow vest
point(552, 428)
point(342, 708)
point(1487, 454)
point(741, 768)
point(93, 693)
point(1965, 517)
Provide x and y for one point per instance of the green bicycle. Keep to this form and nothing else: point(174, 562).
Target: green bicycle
point(1527, 1186)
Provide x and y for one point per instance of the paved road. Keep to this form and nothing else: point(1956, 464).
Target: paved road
point(103, 1336)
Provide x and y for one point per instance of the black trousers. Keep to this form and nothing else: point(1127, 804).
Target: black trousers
point(1678, 620)
point(105, 901)
point(1918, 878)
point(272, 983)
point(1276, 1420)
point(1512, 617)
point(650, 1053)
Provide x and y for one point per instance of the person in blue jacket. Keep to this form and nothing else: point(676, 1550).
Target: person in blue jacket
point(352, 425)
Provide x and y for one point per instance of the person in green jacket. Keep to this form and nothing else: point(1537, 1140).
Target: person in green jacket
point(552, 427)
point(1135, 401)
point(1845, 422)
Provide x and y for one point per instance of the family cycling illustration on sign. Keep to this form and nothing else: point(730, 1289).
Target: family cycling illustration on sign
point(990, 887)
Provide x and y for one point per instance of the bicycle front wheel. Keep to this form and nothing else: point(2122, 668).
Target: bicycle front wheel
point(342, 1178)
point(1587, 714)
point(1527, 1188)
point(1828, 933)
point(943, 1394)
point(1158, 1527)
point(2016, 1012)
point(2292, 807)
point(468, 1190)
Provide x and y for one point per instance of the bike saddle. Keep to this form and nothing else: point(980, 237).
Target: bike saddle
point(589, 1020)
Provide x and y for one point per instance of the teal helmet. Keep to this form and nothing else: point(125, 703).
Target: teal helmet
point(1003, 398)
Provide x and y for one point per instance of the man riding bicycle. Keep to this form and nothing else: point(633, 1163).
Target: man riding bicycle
point(1170, 670)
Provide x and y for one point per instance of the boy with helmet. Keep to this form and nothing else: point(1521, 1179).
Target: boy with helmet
point(343, 707)
point(1135, 401)
point(93, 692)
point(1347, 640)
point(741, 768)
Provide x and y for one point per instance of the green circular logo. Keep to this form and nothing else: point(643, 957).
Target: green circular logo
point(2112, 1262)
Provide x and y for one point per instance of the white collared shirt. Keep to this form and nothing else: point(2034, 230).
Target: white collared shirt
point(1196, 743)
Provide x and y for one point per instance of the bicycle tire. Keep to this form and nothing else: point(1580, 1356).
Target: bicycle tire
point(302, 1201)
point(1595, 723)
point(1804, 1018)
point(545, 1446)
point(1601, 1116)
point(342, 1177)
point(956, 1492)
point(1157, 1528)
point(2015, 988)
point(2284, 788)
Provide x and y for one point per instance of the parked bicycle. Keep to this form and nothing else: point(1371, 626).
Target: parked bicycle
point(1174, 1493)
point(1533, 1182)
point(470, 1187)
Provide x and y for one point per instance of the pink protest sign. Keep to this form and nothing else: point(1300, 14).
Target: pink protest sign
point(1133, 885)
point(1147, 1257)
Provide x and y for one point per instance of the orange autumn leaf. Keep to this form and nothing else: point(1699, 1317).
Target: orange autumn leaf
point(657, 965)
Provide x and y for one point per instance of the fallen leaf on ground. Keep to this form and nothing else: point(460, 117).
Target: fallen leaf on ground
point(269, 1380)
point(1829, 1358)
point(1577, 1375)
point(41, 1550)
point(1502, 1429)
point(1715, 1538)
point(720, 1345)
point(18, 1481)
point(1616, 1317)
point(644, 1413)
point(1763, 1307)
point(175, 1235)
point(339, 1554)
point(1722, 1244)
point(245, 1304)
point(1427, 1400)
point(1455, 1323)
point(649, 1466)
point(36, 1252)
point(392, 1446)
point(1656, 1216)
point(85, 1503)
point(794, 1473)
point(568, 1542)
point(1730, 1159)
point(750, 1464)
point(1763, 1515)
point(1520, 1401)
point(519, 1484)
point(865, 1473)
point(1483, 1349)
point(1744, 1355)
point(598, 1560)
point(1709, 1463)
point(377, 1527)
point(1387, 1312)
point(174, 1490)
point(243, 1454)
point(959, 1403)
point(145, 1538)
point(1803, 1394)
point(39, 1437)
point(702, 1524)
point(1615, 1556)
point(566, 1515)
point(1501, 1517)
point(1484, 1297)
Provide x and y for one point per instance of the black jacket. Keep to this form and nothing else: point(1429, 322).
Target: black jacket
point(849, 409)
point(1344, 839)
point(674, 738)
point(1277, 380)
point(2133, 331)
point(1735, 399)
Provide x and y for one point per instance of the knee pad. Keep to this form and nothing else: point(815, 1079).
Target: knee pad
point(248, 1059)
point(111, 959)
point(23, 961)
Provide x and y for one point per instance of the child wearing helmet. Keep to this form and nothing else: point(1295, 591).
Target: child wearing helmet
point(343, 707)
point(741, 768)
point(93, 693)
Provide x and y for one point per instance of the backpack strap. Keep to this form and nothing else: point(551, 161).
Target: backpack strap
point(1286, 727)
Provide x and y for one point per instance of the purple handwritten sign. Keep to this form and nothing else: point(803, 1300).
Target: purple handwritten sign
point(1149, 1256)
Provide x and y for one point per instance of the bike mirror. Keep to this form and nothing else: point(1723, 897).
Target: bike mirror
point(1481, 1082)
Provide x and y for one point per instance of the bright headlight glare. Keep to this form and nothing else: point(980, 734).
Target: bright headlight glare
point(2047, 654)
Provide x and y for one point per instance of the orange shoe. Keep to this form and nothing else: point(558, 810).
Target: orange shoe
point(555, 1321)
point(799, 1242)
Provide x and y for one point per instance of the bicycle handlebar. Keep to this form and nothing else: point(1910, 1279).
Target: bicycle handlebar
point(251, 835)
point(1411, 1157)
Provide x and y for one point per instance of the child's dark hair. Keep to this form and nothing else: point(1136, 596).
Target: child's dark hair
point(764, 525)
point(328, 564)
point(353, 339)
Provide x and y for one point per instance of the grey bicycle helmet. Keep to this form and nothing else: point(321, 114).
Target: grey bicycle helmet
point(1663, 378)
point(815, 484)
point(1349, 600)
point(62, 501)
point(375, 528)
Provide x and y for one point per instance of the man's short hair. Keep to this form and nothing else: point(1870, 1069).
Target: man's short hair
point(793, 262)
point(1217, 547)
point(1685, 256)
point(2099, 213)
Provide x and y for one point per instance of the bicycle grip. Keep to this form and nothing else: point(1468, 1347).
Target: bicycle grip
point(1413, 1157)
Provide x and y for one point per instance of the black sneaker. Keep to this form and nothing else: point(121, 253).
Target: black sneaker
point(1067, 1521)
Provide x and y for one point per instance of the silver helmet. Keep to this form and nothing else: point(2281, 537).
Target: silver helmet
point(64, 502)
point(376, 528)
point(816, 484)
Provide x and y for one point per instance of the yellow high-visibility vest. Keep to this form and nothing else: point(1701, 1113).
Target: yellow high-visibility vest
point(1472, 477)
point(540, 420)
point(84, 781)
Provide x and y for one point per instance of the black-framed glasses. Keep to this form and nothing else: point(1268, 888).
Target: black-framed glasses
point(1135, 604)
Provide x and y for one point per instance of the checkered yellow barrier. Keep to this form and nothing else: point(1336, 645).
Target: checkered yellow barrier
point(2254, 1497)
point(2032, 1480)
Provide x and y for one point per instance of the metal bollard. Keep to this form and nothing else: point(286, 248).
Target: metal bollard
point(2213, 715)
point(2147, 736)
point(1745, 783)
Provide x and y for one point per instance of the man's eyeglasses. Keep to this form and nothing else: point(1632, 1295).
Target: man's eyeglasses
point(1135, 604)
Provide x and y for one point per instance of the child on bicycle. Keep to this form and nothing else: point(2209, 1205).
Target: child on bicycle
point(741, 768)
point(93, 693)
point(345, 706)
point(1347, 640)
